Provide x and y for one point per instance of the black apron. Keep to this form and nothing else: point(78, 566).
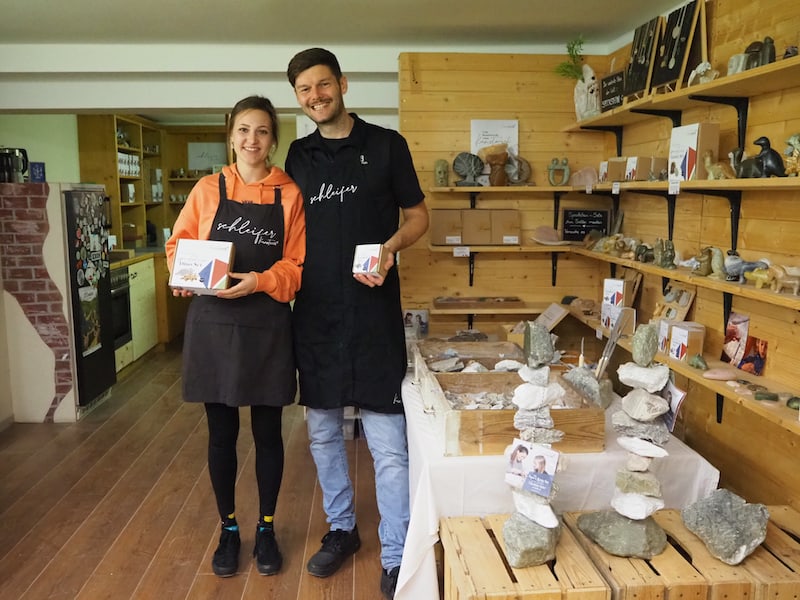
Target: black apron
point(238, 352)
point(349, 338)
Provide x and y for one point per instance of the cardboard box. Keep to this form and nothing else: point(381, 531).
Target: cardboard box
point(616, 168)
point(687, 145)
point(618, 292)
point(476, 227)
point(506, 227)
point(664, 331)
point(202, 266)
point(602, 172)
point(370, 258)
point(644, 168)
point(446, 227)
point(686, 339)
point(609, 315)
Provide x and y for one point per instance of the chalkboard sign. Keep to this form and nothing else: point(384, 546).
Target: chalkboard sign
point(579, 222)
point(611, 88)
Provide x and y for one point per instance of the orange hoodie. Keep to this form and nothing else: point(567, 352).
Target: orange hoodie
point(282, 280)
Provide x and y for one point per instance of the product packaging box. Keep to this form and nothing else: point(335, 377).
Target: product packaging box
point(686, 339)
point(445, 227)
point(644, 168)
point(202, 266)
point(687, 145)
point(477, 227)
point(505, 227)
point(370, 258)
point(664, 330)
point(609, 315)
point(602, 172)
point(616, 168)
point(618, 292)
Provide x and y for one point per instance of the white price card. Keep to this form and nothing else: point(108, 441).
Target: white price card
point(674, 187)
point(615, 188)
point(588, 188)
point(461, 251)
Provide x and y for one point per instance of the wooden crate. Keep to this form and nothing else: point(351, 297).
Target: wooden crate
point(475, 566)
point(478, 432)
point(486, 353)
point(687, 570)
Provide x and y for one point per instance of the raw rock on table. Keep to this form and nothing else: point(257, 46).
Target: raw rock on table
point(652, 378)
point(621, 536)
point(638, 482)
point(635, 506)
point(654, 431)
point(540, 435)
point(641, 405)
point(535, 510)
point(730, 527)
point(641, 447)
point(637, 463)
point(538, 344)
point(539, 376)
point(525, 419)
point(644, 344)
point(599, 393)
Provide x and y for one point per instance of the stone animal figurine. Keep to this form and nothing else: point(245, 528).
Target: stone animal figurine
point(745, 168)
point(760, 277)
point(668, 257)
point(736, 266)
point(644, 253)
point(783, 276)
point(717, 264)
point(703, 268)
point(717, 170)
point(658, 252)
point(771, 161)
point(792, 154)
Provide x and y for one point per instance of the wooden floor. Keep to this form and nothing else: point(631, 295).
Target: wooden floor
point(119, 505)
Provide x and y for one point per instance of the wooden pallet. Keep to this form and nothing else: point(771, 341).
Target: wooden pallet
point(475, 567)
point(687, 570)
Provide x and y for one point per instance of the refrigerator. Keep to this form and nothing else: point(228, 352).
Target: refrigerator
point(85, 210)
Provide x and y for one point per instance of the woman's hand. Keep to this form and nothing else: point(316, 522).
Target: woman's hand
point(182, 293)
point(246, 286)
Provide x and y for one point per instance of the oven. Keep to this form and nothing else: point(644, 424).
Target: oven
point(121, 306)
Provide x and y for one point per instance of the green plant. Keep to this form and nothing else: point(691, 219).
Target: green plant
point(572, 68)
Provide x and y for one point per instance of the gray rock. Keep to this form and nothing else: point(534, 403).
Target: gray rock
point(638, 482)
point(541, 435)
point(730, 527)
point(600, 393)
point(525, 419)
point(655, 431)
point(538, 344)
point(641, 405)
point(644, 344)
point(621, 536)
point(527, 543)
point(446, 365)
point(637, 463)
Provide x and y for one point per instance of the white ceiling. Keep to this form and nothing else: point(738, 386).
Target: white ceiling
point(404, 24)
point(324, 22)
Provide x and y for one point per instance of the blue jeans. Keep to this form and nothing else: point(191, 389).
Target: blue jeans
point(387, 442)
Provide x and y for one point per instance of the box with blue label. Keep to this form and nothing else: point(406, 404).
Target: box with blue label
point(202, 266)
point(618, 292)
point(686, 339)
point(370, 258)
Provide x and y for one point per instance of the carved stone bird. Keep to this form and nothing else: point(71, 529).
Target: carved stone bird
point(771, 161)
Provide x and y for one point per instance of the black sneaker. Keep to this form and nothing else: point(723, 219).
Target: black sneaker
point(337, 545)
point(389, 582)
point(268, 557)
point(226, 557)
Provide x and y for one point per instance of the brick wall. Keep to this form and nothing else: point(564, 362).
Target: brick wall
point(23, 229)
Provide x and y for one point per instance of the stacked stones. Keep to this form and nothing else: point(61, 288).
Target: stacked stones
point(533, 529)
point(630, 530)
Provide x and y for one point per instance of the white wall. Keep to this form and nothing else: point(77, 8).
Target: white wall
point(51, 139)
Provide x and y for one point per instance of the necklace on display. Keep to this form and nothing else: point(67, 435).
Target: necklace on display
point(676, 34)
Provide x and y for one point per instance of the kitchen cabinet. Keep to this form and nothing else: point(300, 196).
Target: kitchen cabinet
point(144, 326)
point(171, 309)
point(124, 154)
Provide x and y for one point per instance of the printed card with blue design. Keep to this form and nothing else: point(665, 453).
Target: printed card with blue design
point(531, 467)
point(202, 266)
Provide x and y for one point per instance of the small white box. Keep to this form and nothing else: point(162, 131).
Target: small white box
point(370, 258)
point(664, 330)
point(686, 339)
point(202, 266)
point(609, 315)
point(618, 292)
point(602, 172)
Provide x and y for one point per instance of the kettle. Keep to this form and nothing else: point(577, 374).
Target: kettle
point(13, 165)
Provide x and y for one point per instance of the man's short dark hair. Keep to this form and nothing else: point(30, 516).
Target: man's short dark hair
point(311, 58)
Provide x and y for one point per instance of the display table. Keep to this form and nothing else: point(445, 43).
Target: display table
point(473, 485)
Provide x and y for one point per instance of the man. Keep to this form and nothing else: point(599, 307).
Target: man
point(356, 178)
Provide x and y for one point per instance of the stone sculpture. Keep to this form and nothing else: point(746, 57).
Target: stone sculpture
point(783, 276)
point(771, 161)
point(497, 166)
point(587, 94)
point(745, 168)
point(703, 259)
point(518, 170)
point(736, 266)
point(441, 171)
point(558, 172)
point(792, 154)
point(717, 170)
point(468, 166)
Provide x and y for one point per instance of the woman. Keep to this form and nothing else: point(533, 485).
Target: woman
point(238, 342)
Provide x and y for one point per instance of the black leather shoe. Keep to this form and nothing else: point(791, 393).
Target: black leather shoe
point(389, 582)
point(268, 557)
point(337, 545)
point(226, 557)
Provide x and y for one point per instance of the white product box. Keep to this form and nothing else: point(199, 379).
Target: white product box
point(609, 315)
point(370, 258)
point(618, 292)
point(602, 172)
point(640, 168)
point(687, 145)
point(202, 266)
point(686, 339)
point(664, 330)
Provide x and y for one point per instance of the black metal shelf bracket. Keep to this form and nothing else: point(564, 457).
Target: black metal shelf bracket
point(727, 306)
point(740, 104)
point(471, 268)
point(554, 255)
point(735, 200)
point(720, 404)
point(673, 115)
point(473, 199)
point(615, 129)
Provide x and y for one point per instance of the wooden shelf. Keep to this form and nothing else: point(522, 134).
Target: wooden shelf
point(493, 309)
point(766, 79)
point(776, 412)
point(533, 249)
point(507, 189)
point(744, 290)
point(701, 186)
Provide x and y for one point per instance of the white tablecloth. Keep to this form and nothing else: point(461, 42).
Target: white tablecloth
point(473, 485)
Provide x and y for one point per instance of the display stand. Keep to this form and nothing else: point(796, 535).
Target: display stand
point(683, 39)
